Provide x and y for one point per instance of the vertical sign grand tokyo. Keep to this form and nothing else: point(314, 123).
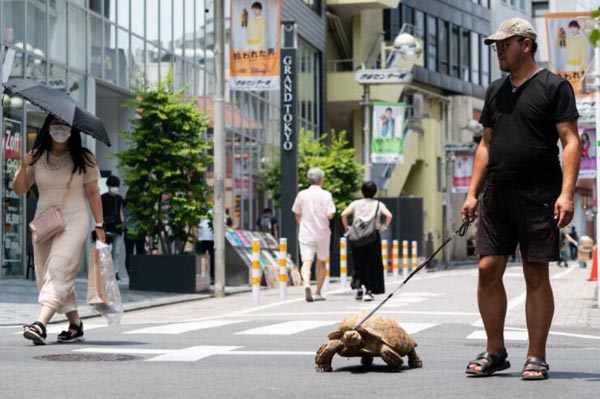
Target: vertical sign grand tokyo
point(289, 136)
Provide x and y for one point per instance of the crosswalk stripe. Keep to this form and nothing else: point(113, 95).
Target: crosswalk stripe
point(413, 328)
point(288, 327)
point(180, 328)
point(508, 335)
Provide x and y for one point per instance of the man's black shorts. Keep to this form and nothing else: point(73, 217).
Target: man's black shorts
point(524, 216)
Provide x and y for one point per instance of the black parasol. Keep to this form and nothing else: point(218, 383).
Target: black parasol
point(60, 105)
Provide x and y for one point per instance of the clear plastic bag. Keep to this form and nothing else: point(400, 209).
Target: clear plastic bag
point(104, 295)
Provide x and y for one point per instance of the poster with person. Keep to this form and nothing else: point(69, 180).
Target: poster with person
point(255, 45)
point(389, 128)
point(587, 168)
point(461, 176)
point(570, 52)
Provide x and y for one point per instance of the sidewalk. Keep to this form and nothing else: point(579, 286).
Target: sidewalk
point(575, 297)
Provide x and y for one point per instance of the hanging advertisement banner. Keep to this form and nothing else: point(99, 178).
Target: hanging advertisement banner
point(255, 45)
point(569, 54)
point(388, 132)
point(461, 175)
point(587, 169)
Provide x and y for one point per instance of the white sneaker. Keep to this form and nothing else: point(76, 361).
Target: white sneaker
point(319, 297)
point(369, 297)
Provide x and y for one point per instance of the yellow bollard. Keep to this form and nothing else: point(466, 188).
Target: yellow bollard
point(343, 261)
point(327, 274)
point(395, 258)
point(415, 260)
point(283, 272)
point(384, 256)
point(405, 258)
point(255, 270)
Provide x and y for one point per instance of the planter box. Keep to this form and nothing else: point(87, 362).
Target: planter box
point(169, 273)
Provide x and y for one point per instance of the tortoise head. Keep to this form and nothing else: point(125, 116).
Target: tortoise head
point(352, 339)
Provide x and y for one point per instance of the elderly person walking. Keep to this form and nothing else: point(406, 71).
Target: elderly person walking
point(314, 208)
point(66, 175)
point(367, 258)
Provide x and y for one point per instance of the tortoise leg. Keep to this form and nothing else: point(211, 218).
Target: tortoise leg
point(325, 354)
point(366, 361)
point(390, 357)
point(414, 361)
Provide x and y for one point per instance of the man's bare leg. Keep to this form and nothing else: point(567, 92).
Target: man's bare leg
point(539, 308)
point(491, 298)
point(321, 272)
point(305, 271)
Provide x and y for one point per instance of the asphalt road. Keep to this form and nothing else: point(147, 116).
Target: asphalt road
point(230, 348)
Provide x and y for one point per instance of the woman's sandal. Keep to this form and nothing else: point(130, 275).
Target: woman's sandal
point(536, 365)
point(35, 332)
point(73, 334)
point(489, 364)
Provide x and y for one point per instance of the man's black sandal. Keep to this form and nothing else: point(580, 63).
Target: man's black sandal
point(536, 365)
point(35, 332)
point(73, 334)
point(489, 364)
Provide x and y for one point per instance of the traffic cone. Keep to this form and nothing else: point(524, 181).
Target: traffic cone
point(594, 271)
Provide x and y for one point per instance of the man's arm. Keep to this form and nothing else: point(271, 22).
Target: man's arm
point(569, 138)
point(469, 208)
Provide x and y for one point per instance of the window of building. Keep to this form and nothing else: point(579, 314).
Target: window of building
point(485, 65)
point(57, 34)
point(391, 23)
point(475, 46)
point(465, 59)
point(407, 15)
point(443, 43)
point(123, 13)
point(431, 43)
point(36, 27)
point(314, 4)
point(454, 51)
point(77, 38)
point(419, 24)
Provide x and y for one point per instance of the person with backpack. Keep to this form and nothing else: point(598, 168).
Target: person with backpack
point(112, 209)
point(268, 223)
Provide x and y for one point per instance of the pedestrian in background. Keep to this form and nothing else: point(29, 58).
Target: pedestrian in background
point(112, 209)
point(367, 258)
point(206, 241)
point(573, 242)
point(526, 197)
point(63, 171)
point(134, 241)
point(314, 208)
point(268, 223)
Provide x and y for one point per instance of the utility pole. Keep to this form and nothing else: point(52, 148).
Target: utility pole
point(219, 149)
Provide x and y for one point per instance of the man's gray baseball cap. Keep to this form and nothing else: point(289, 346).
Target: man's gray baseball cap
point(512, 27)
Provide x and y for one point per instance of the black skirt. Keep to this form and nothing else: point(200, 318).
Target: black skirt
point(368, 268)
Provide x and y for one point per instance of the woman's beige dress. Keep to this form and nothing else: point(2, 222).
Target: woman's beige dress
point(57, 260)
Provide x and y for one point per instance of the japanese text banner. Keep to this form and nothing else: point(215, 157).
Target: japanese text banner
point(255, 45)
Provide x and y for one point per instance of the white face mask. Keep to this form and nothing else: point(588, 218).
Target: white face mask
point(114, 190)
point(60, 133)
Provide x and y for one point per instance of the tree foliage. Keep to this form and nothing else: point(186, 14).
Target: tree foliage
point(595, 34)
point(165, 166)
point(330, 152)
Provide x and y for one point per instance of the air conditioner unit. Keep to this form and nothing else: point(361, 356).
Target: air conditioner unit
point(417, 105)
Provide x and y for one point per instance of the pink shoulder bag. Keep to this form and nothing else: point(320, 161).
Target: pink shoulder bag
point(50, 222)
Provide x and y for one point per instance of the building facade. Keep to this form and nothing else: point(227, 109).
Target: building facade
point(100, 51)
point(454, 63)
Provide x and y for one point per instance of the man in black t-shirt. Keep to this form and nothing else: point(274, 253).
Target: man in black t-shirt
point(526, 197)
